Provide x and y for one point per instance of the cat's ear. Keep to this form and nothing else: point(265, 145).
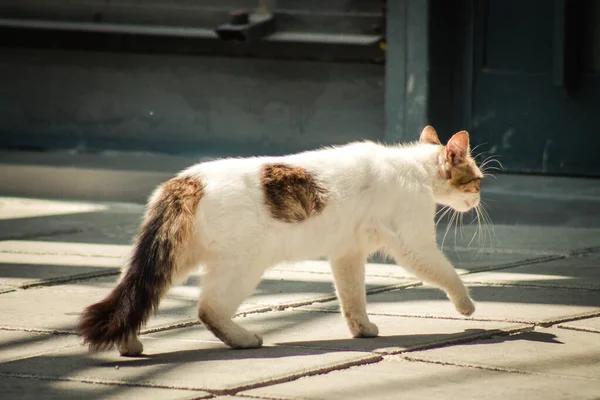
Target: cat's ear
point(429, 135)
point(457, 148)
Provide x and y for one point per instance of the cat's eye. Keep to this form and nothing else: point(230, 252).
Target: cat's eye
point(471, 186)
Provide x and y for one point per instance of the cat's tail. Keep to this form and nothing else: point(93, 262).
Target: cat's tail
point(163, 240)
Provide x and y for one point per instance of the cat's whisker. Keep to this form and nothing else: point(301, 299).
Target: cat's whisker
point(441, 217)
point(487, 230)
point(492, 231)
point(479, 226)
point(476, 229)
point(485, 174)
point(476, 147)
point(443, 208)
point(453, 216)
point(488, 163)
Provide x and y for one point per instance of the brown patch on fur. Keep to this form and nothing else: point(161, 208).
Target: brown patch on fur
point(162, 240)
point(291, 193)
point(466, 177)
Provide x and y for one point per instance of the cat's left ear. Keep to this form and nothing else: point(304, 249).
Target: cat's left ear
point(429, 135)
point(457, 148)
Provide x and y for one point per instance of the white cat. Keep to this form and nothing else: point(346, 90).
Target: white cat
point(238, 217)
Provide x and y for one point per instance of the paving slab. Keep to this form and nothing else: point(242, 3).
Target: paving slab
point(587, 324)
point(44, 246)
point(26, 389)
point(323, 330)
point(188, 365)
point(506, 303)
point(20, 344)
point(399, 379)
point(58, 307)
point(549, 351)
point(25, 270)
point(572, 272)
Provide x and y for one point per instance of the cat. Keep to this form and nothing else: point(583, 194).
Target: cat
point(239, 216)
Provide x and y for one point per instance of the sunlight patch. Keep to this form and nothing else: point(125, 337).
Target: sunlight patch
point(14, 207)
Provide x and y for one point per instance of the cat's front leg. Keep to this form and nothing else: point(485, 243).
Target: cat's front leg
point(349, 276)
point(423, 259)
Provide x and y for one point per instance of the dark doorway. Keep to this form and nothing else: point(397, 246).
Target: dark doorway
point(536, 84)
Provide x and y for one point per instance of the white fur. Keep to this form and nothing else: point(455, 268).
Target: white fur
point(379, 198)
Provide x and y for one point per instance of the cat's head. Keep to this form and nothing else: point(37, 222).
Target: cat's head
point(460, 177)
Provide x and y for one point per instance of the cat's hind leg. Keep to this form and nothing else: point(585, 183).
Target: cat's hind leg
point(225, 285)
point(349, 276)
point(188, 262)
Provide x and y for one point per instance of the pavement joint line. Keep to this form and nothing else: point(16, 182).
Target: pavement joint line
point(522, 263)
point(49, 253)
point(108, 382)
point(390, 288)
point(249, 396)
point(490, 368)
point(591, 288)
point(69, 279)
point(568, 318)
point(539, 323)
point(433, 316)
point(584, 251)
point(37, 330)
point(579, 328)
point(465, 365)
point(372, 358)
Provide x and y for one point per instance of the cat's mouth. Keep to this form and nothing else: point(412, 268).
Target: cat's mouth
point(471, 203)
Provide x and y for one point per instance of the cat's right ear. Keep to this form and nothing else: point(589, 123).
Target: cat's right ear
point(429, 135)
point(457, 148)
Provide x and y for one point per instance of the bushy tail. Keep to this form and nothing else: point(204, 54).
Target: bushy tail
point(163, 239)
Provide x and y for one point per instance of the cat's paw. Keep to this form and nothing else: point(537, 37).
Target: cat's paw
point(132, 348)
point(466, 307)
point(363, 330)
point(247, 341)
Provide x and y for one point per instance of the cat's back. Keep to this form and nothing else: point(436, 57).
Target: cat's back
point(322, 163)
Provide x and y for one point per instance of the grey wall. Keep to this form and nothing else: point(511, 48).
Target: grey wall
point(184, 104)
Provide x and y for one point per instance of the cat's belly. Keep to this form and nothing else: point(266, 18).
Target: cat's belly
point(296, 243)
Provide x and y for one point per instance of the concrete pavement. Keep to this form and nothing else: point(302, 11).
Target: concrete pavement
point(535, 334)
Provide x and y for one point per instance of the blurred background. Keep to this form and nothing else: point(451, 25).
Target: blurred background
point(205, 78)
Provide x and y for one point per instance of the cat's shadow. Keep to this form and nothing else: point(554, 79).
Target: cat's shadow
point(380, 344)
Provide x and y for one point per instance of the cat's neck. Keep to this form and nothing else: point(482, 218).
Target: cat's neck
point(422, 162)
